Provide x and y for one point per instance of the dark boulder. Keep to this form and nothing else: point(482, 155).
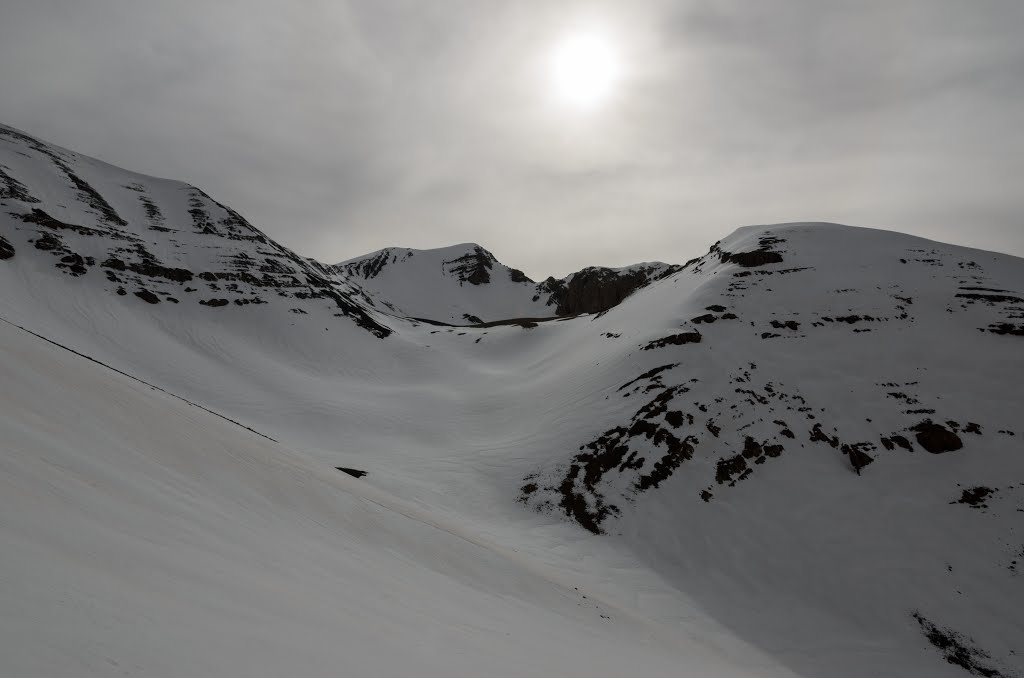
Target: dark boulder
point(148, 297)
point(937, 438)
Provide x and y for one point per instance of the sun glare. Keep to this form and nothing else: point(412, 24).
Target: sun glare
point(584, 71)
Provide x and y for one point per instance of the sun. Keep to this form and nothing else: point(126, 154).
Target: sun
point(584, 70)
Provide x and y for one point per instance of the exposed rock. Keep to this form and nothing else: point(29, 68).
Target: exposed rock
point(515, 275)
point(148, 297)
point(858, 458)
point(895, 440)
point(936, 438)
point(91, 197)
point(474, 268)
point(992, 298)
point(649, 375)
point(6, 249)
point(675, 340)
point(12, 189)
point(762, 256)
point(728, 469)
point(958, 650)
point(74, 264)
point(596, 289)
point(49, 242)
point(149, 267)
point(370, 267)
point(1007, 328)
point(593, 290)
point(975, 496)
point(555, 290)
point(819, 436)
point(752, 259)
point(355, 473)
point(40, 217)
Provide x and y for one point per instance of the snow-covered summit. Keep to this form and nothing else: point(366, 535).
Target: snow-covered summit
point(461, 284)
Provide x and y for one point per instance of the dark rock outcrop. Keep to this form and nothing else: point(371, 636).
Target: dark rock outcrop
point(675, 340)
point(515, 275)
point(975, 497)
point(12, 189)
point(959, 650)
point(596, 289)
point(762, 256)
point(752, 259)
point(148, 297)
point(6, 249)
point(370, 267)
point(1007, 328)
point(937, 438)
point(474, 267)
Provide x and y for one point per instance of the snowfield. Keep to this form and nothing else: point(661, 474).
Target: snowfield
point(801, 454)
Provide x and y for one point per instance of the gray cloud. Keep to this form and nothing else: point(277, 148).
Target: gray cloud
point(342, 127)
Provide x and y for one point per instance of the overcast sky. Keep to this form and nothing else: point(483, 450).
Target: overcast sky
point(342, 127)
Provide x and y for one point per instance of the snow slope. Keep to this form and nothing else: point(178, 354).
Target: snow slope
point(142, 536)
point(709, 427)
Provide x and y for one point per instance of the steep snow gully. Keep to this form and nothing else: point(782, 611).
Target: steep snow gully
point(801, 454)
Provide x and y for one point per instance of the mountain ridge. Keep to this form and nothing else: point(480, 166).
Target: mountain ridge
point(157, 206)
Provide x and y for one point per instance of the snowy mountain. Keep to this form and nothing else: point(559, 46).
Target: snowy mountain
point(799, 454)
point(466, 284)
point(161, 241)
point(459, 285)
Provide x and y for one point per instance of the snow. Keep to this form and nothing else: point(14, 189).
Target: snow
point(145, 536)
point(425, 284)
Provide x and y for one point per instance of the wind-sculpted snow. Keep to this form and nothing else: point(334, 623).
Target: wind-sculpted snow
point(799, 454)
